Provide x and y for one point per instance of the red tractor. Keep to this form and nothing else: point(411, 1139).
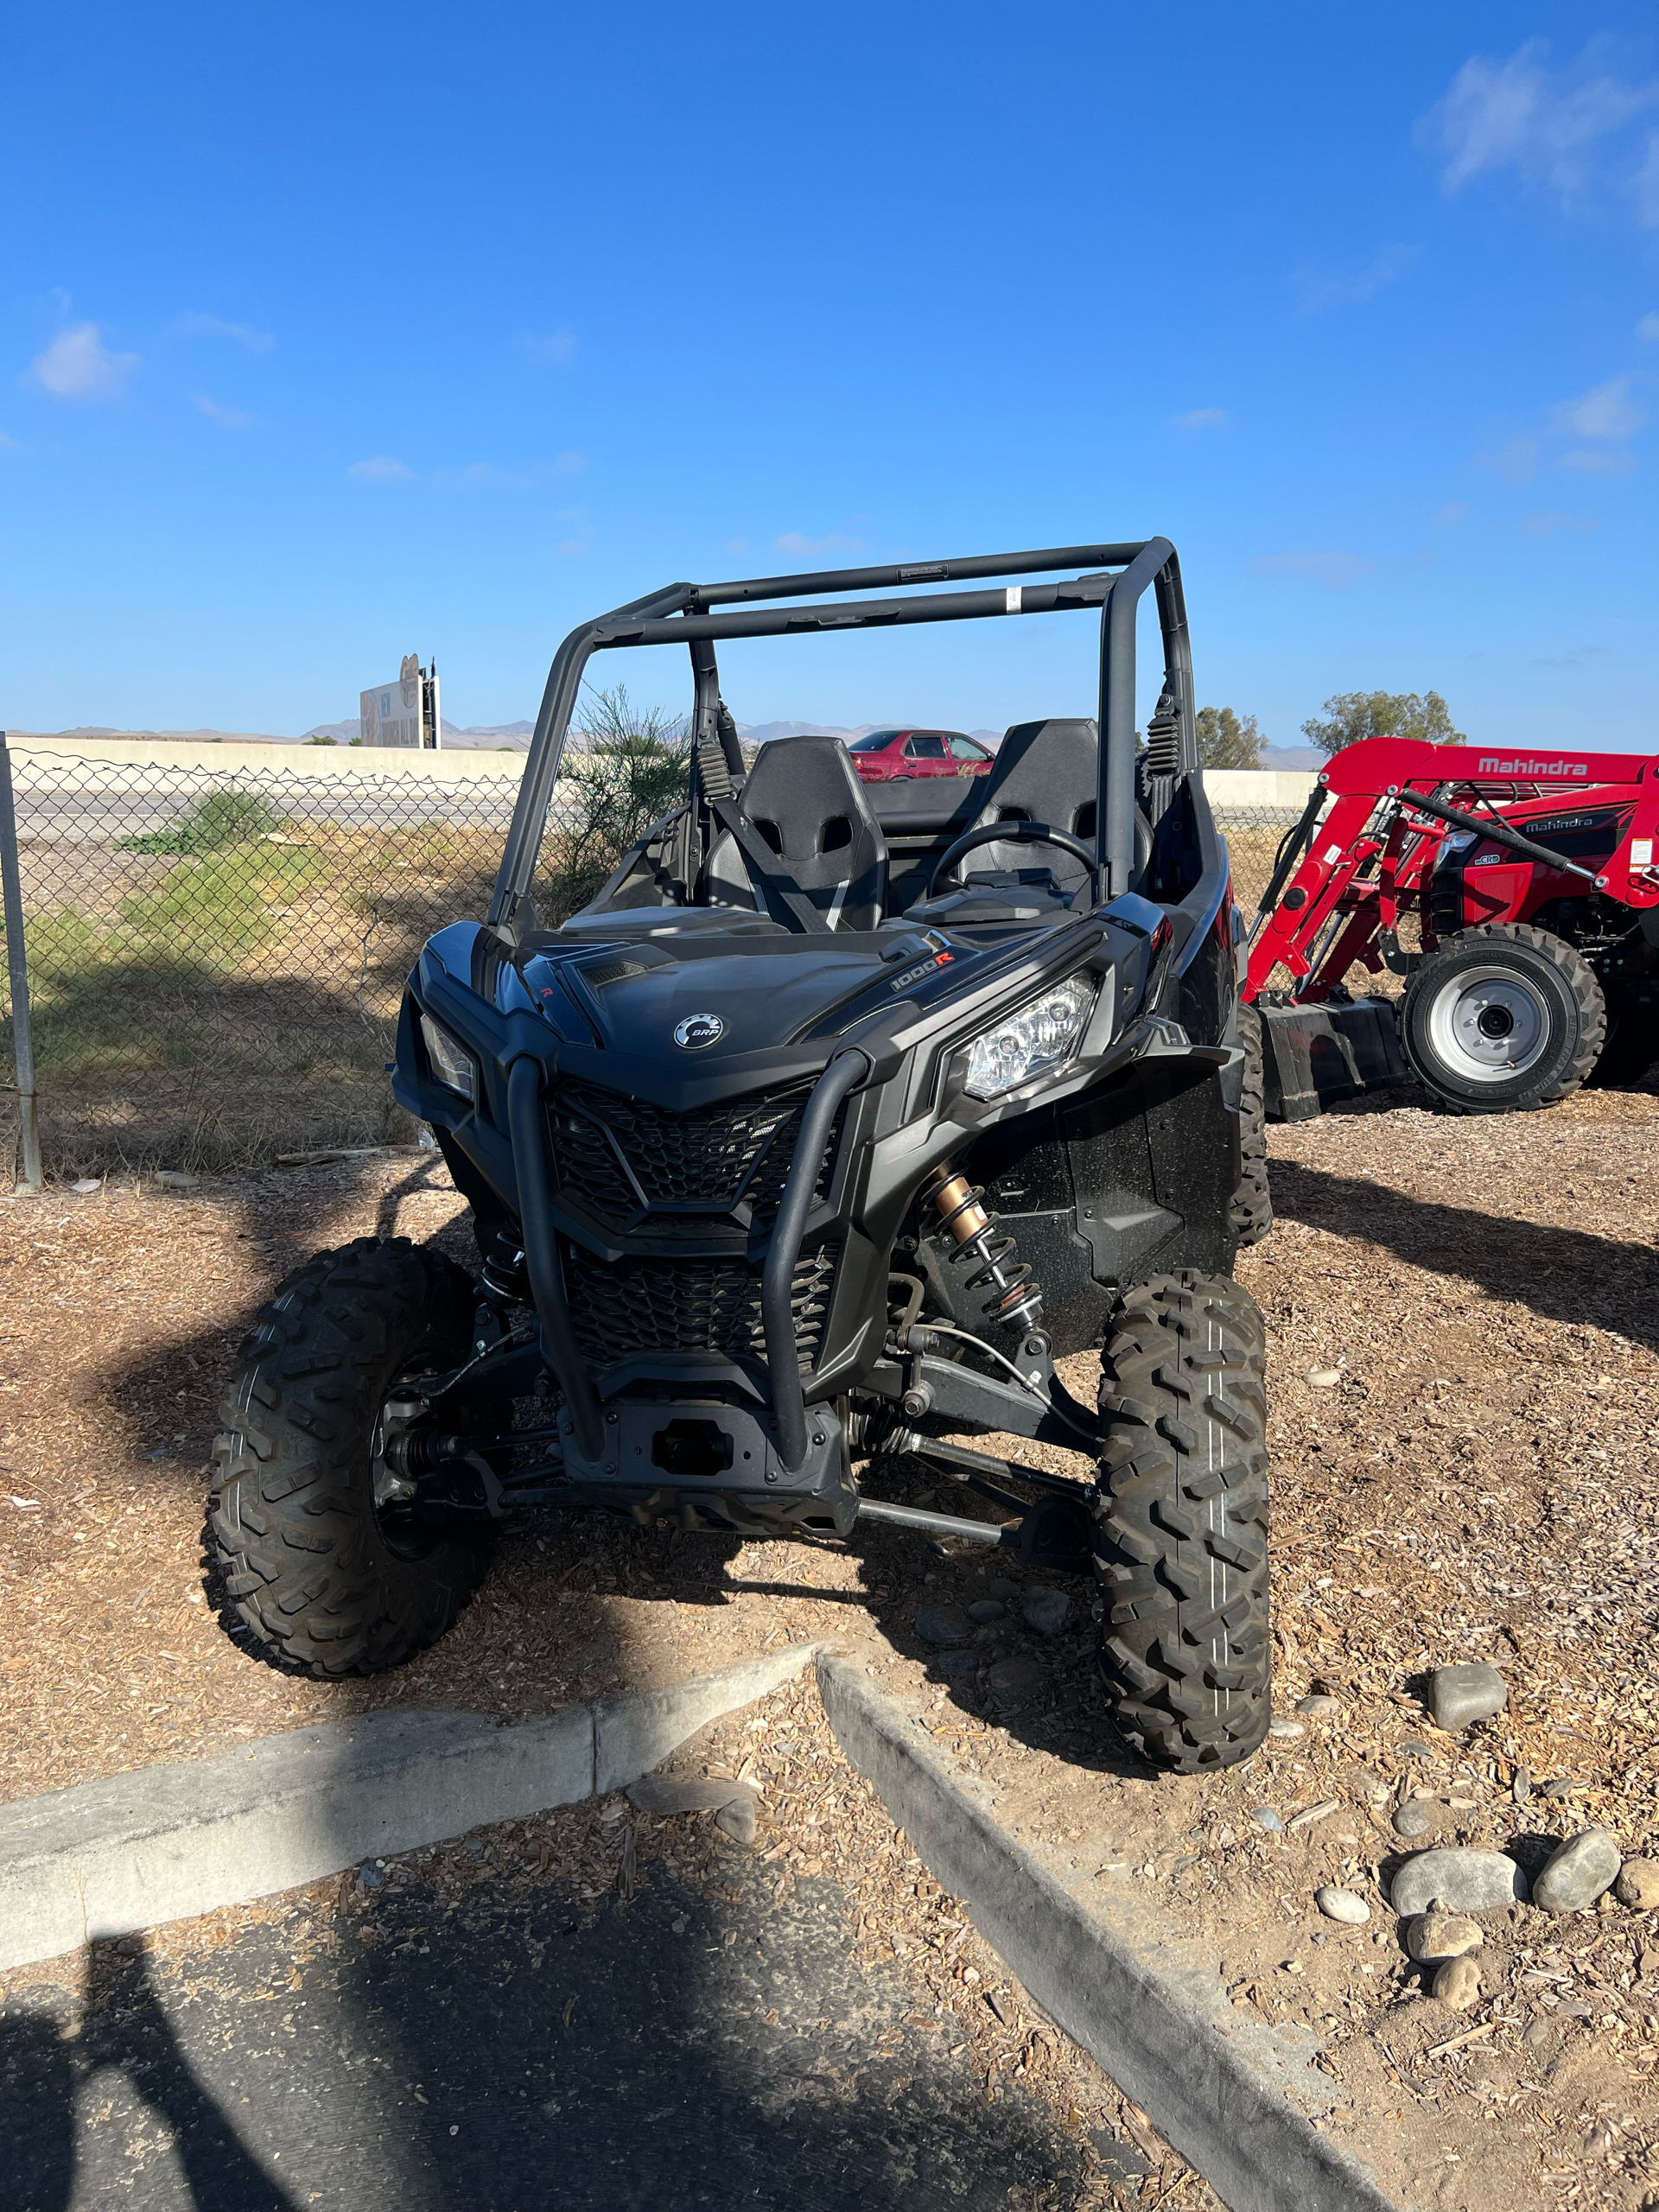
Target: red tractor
point(1533, 879)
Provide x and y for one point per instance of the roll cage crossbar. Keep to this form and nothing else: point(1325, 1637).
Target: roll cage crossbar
point(682, 611)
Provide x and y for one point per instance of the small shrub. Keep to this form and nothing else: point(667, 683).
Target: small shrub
point(227, 816)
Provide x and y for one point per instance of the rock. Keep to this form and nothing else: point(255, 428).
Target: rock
point(686, 1793)
point(1576, 1872)
point(1537, 2036)
point(1367, 1785)
point(87, 1187)
point(1045, 1611)
point(1414, 1818)
point(1457, 1984)
point(1459, 1696)
point(1317, 1702)
point(1521, 1788)
point(1462, 1879)
point(1287, 1731)
point(1012, 1683)
point(1563, 1786)
point(1639, 1884)
point(369, 1878)
point(1441, 1936)
point(1268, 1819)
point(1344, 1906)
point(1325, 1378)
point(1002, 1587)
point(949, 1664)
point(177, 1178)
point(737, 1819)
point(987, 1609)
point(944, 1625)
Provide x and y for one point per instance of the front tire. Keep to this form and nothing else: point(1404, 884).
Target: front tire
point(1252, 1207)
point(328, 1582)
point(1502, 1018)
point(1181, 1523)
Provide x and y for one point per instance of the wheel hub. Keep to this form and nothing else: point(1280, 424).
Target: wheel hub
point(1489, 1023)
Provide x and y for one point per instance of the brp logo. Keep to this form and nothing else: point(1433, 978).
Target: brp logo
point(699, 1030)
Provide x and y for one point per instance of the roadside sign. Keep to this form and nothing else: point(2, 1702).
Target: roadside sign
point(404, 714)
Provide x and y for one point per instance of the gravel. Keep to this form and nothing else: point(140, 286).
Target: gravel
point(1046, 1611)
point(1317, 1704)
point(1457, 1984)
point(1414, 1818)
point(1012, 1683)
point(944, 1625)
point(1459, 1696)
point(1441, 1936)
point(1266, 1818)
point(1325, 1378)
point(1345, 1906)
point(985, 1609)
point(1639, 1884)
point(1577, 1871)
point(1463, 1879)
point(1287, 1731)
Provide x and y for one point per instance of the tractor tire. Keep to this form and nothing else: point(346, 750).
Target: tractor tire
point(1252, 1207)
point(326, 1583)
point(1503, 1018)
point(1181, 1524)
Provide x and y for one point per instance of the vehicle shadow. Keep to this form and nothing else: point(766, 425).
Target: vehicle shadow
point(1561, 1275)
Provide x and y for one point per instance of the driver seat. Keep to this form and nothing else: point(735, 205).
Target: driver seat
point(1046, 771)
point(804, 801)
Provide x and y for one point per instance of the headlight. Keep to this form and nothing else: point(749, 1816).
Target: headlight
point(452, 1065)
point(1037, 1035)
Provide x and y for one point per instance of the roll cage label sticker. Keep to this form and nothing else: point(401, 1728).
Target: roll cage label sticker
point(923, 967)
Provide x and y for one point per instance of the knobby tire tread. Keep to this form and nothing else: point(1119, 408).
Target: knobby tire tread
point(1181, 1523)
point(1252, 1207)
point(292, 1534)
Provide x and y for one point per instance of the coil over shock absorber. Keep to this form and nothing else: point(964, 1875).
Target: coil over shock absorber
point(1003, 1283)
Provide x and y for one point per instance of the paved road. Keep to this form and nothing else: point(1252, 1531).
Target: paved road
point(684, 2050)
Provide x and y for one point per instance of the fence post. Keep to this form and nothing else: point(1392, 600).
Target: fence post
point(11, 888)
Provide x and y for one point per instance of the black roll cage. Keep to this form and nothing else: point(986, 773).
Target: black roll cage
point(681, 612)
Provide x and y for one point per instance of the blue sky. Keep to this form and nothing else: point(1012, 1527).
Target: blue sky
point(328, 334)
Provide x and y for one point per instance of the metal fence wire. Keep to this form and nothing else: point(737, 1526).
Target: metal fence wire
point(215, 957)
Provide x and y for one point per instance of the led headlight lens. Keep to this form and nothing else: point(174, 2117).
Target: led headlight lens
point(1037, 1035)
point(451, 1064)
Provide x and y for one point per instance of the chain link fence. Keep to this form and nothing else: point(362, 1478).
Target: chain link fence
point(215, 957)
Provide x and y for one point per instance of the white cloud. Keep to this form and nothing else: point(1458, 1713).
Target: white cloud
point(737, 545)
point(1644, 185)
point(9, 445)
point(1336, 571)
point(1320, 290)
point(1604, 461)
point(1515, 461)
point(569, 464)
point(1453, 510)
point(77, 364)
point(481, 476)
point(212, 326)
point(1546, 526)
point(381, 468)
point(572, 546)
point(551, 352)
point(1608, 411)
point(1547, 125)
point(1648, 329)
point(1204, 418)
point(228, 418)
point(792, 542)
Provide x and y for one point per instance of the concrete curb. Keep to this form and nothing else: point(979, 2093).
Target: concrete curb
point(169, 1842)
point(1235, 2098)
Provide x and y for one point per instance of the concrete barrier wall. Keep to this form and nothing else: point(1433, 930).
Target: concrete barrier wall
point(1225, 787)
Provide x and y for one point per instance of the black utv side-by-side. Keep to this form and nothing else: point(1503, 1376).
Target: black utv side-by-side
point(839, 1115)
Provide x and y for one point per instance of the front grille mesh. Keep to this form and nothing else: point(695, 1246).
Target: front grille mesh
point(691, 1305)
point(738, 1150)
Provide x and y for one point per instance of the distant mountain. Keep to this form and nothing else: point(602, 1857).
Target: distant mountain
point(1297, 757)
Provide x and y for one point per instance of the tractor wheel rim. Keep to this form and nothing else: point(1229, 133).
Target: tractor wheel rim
point(1488, 1024)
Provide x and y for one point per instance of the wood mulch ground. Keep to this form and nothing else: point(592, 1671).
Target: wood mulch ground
point(1481, 1483)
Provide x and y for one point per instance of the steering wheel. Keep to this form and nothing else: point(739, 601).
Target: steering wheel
point(1010, 833)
